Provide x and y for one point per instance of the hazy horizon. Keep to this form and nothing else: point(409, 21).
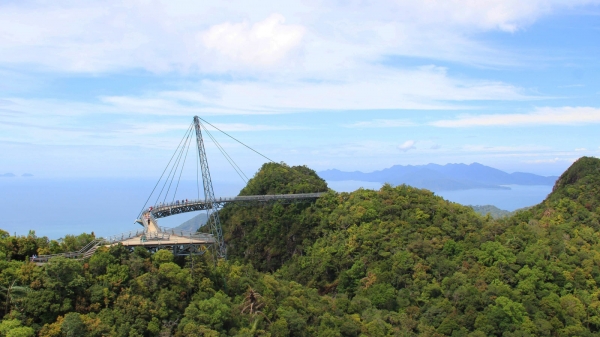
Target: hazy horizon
point(55, 207)
point(99, 90)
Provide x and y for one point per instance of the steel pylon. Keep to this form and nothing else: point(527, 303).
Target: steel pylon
point(213, 220)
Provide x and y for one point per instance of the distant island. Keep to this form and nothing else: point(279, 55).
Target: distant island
point(12, 175)
point(447, 177)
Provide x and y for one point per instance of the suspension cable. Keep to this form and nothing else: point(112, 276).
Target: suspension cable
point(163, 173)
point(172, 167)
point(182, 166)
point(235, 166)
point(185, 136)
point(269, 159)
point(176, 166)
point(237, 140)
point(198, 174)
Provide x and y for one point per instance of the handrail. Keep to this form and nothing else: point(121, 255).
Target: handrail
point(164, 231)
point(198, 202)
point(88, 246)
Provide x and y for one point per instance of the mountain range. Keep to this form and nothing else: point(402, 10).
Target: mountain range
point(443, 177)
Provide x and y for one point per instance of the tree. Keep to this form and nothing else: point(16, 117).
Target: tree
point(72, 325)
point(13, 294)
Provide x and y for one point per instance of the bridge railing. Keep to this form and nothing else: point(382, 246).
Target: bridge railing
point(164, 234)
point(162, 210)
point(69, 255)
point(46, 258)
point(187, 234)
point(124, 236)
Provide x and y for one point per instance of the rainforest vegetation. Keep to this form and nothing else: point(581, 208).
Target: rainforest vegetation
point(395, 262)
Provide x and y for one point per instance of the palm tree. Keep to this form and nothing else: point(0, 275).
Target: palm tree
point(13, 294)
point(253, 302)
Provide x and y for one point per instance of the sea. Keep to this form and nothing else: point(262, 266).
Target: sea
point(57, 207)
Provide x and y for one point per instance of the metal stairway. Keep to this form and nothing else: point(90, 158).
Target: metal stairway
point(92, 247)
point(84, 253)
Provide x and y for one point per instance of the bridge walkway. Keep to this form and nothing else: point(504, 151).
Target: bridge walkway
point(184, 206)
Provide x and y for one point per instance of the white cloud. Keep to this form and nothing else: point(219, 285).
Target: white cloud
point(425, 88)
point(381, 123)
point(505, 148)
point(407, 145)
point(51, 122)
point(504, 15)
point(550, 160)
point(435, 147)
point(540, 117)
point(160, 36)
point(263, 43)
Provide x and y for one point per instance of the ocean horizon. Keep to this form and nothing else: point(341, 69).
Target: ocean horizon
point(57, 207)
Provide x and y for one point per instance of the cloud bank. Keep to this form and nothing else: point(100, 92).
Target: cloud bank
point(540, 117)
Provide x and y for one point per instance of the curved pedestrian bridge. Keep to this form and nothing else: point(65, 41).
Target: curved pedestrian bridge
point(184, 206)
point(154, 237)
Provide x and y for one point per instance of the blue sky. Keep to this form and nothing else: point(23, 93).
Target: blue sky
point(105, 89)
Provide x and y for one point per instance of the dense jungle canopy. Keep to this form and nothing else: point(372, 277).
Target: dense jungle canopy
point(395, 262)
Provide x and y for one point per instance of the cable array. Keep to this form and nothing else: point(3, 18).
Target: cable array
point(235, 166)
point(186, 135)
point(177, 162)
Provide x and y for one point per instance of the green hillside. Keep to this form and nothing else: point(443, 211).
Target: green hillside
point(492, 210)
point(395, 262)
point(268, 235)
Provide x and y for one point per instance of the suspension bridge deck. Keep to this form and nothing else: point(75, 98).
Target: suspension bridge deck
point(164, 210)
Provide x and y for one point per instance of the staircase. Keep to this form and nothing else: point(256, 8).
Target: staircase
point(90, 248)
point(85, 252)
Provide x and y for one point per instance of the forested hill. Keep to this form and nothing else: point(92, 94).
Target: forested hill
point(395, 262)
point(429, 266)
point(269, 235)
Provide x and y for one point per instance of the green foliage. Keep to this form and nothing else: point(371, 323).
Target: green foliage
point(395, 262)
point(492, 210)
point(23, 331)
point(72, 325)
point(20, 247)
point(213, 313)
point(273, 178)
point(14, 328)
point(162, 256)
point(269, 235)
